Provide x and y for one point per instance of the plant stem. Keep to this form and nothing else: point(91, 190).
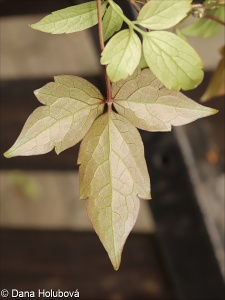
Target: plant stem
point(214, 19)
point(102, 46)
point(125, 19)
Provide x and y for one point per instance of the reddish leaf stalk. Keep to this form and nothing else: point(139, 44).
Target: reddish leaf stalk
point(214, 19)
point(102, 45)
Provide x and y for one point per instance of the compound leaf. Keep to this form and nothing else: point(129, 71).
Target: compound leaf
point(122, 54)
point(113, 176)
point(205, 28)
point(71, 106)
point(172, 60)
point(112, 22)
point(149, 106)
point(71, 19)
point(160, 14)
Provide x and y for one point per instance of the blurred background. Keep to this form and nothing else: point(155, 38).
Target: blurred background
point(176, 250)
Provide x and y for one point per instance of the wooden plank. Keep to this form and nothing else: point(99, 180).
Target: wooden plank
point(23, 7)
point(66, 260)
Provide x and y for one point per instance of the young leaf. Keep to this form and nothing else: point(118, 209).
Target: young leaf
point(112, 22)
point(205, 28)
point(172, 60)
point(113, 176)
point(160, 14)
point(71, 19)
point(122, 54)
point(72, 105)
point(145, 104)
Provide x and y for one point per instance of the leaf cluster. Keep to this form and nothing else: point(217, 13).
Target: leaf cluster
point(113, 172)
point(170, 58)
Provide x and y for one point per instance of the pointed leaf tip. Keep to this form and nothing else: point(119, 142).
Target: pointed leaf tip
point(71, 19)
point(71, 104)
point(145, 104)
point(112, 173)
point(7, 154)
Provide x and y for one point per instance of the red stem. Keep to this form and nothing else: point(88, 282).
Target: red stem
point(102, 46)
point(214, 19)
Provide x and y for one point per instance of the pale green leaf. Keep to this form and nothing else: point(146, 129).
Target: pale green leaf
point(176, 64)
point(205, 28)
point(160, 14)
point(113, 176)
point(72, 105)
point(112, 22)
point(143, 100)
point(142, 62)
point(71, 19)
point(122, 54)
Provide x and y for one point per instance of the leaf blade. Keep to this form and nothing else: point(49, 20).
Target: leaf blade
point(112, 22)
point(63, 121)
point(143, 101)
point(71, 19)
point(158, 15)
point(172, 60)
point(122, 54)
point(111, 157)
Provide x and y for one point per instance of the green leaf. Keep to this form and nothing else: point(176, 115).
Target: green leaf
point(72, 105)
point(216, 85)
point(205, 28)
point(176, 64)
point(71, 19)
point(113, 176)
point(122, 54)
point(112, 22)
point(160, 14)
point(143, 100)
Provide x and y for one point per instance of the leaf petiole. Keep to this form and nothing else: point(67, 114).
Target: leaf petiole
point(125, 19)
point(101, 43)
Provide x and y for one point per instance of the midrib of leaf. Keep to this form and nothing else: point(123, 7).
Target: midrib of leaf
point(128, 144)
point(74, 99)
point(110, 174)
point(72, 17)
point(155, 104)
point(53, 124)
point(161, 106)
point(124, 50)
point(111, 123)
point(76, 88)
point(148, 111)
